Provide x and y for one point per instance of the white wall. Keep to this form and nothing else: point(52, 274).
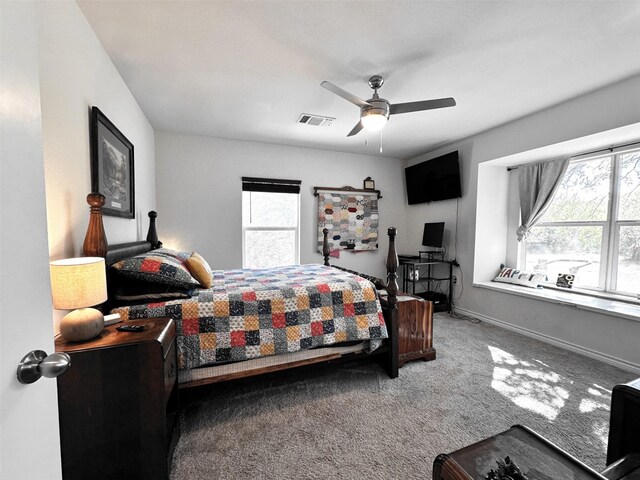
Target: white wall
point(486, 189)
point(29, 445)
point(200, 195)
point(75, 74)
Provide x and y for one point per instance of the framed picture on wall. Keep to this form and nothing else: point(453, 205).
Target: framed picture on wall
point(112, 166)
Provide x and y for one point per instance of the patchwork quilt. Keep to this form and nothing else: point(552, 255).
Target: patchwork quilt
point(254, 313)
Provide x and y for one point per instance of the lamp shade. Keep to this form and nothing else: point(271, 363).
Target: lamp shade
point(78, 282)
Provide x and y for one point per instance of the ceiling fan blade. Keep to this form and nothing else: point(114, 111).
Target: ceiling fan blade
point(355, 129)
point(424, 105)
point(344, 94)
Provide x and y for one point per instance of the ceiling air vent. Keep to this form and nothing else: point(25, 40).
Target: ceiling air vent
point(315, 120)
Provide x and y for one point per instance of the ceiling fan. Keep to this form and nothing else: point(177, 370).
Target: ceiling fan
point(375, 112)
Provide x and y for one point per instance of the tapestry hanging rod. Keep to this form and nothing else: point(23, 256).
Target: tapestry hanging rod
point(346, 188)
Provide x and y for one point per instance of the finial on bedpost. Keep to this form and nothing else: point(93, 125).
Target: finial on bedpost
point(152, 234)
point(95, 241)
point(392, 268)
point(325, 246)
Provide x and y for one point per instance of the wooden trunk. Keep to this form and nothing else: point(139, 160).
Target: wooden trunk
point(415, 329)
point(535, 456)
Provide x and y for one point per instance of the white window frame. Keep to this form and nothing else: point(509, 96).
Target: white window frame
point(611, 228)
point(295, 229)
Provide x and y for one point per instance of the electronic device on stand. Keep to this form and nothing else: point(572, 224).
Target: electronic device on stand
point(427, 269)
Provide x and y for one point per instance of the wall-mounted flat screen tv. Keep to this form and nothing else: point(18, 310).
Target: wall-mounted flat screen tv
point(435, 179)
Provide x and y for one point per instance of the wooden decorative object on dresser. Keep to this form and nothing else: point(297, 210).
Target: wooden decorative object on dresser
point(118, 403)
point(95, 241)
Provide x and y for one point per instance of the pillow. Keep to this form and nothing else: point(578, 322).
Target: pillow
point(519, 277)
point(177, 254)
point(129, 290)
point(200, 270)
point(156, 267)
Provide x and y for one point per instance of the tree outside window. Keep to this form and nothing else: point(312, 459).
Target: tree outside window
point(592, 227)
point(270, 229)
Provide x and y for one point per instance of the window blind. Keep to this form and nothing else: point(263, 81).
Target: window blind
point(253, 184)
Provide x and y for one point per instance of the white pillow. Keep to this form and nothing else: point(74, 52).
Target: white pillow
point(519, 277)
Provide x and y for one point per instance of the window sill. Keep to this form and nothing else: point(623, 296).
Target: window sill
point(614, 308)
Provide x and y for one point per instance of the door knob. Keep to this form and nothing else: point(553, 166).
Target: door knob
point(37, 363)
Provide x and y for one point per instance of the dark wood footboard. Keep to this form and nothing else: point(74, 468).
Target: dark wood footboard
point(390, 302)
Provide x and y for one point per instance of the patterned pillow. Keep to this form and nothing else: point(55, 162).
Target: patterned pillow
point(156, 267)
point(519, 277)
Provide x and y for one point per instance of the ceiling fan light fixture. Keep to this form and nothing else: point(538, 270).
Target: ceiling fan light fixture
point(375, 112)
point(374, 119)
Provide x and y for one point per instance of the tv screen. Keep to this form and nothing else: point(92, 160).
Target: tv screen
point(432, 234)
point(435, 179)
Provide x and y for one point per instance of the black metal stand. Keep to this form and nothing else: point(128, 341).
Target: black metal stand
point(411, 274)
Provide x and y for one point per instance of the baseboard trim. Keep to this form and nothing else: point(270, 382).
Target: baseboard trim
point(616, 362)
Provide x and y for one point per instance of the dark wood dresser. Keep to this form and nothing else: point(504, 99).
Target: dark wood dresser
point(118, 403)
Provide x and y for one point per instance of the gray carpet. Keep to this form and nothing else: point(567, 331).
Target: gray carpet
point(351, 421)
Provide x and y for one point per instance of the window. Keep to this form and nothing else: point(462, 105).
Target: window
point(270, 222)
point(592, 227)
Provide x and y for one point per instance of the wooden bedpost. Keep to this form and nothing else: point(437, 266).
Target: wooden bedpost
point(95, 241)
point(392, 299)
point(152, 234)
point(392, 268)
point(325, 246)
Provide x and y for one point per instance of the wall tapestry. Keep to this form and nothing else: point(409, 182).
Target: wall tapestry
point(352, 220)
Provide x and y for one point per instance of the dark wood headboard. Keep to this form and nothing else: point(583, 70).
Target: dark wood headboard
point(96, 245)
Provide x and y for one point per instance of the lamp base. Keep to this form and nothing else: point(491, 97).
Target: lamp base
point(82, 324)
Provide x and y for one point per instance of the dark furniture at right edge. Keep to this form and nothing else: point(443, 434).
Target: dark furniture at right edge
point(623, 450)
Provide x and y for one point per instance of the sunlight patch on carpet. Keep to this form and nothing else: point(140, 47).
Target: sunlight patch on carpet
point(597, 401)
point(532, 387)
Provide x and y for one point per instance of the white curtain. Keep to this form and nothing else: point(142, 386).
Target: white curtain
point(538, 183)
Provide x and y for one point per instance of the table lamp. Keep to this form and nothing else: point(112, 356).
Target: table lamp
point(79, 283)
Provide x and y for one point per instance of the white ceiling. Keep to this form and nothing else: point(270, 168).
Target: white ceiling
point(247, 69)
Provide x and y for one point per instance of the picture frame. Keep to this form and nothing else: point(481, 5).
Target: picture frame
point(369, 184)
point(112, 166)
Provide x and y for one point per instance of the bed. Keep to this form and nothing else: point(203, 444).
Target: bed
point(250, 322)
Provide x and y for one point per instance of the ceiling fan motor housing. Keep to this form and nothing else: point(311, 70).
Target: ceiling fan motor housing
point(379, 106)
